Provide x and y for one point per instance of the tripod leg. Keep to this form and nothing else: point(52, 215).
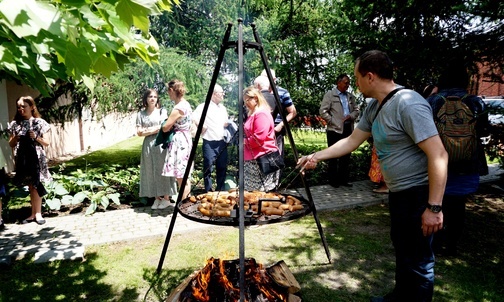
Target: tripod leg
point(218, 64)
point(317, 221)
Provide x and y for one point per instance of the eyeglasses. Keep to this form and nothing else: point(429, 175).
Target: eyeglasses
point(219, 92)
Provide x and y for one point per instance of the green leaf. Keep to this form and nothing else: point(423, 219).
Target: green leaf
point(53, 203)
point(7, 60)
point(77, 38)
point(135, 12)
point(80, 196)
point(122, 30)
point(92, 19)
point(89, 82)
point(115, 198)
point(59, 189)
point(67, 200)
point(104, 202)
point(77, 61)
point(92, 208)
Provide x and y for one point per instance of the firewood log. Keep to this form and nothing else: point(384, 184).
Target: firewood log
point(282, 275)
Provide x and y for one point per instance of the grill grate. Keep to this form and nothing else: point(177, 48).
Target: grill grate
point(189, 210)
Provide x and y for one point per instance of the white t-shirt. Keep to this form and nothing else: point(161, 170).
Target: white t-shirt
point(215, 119)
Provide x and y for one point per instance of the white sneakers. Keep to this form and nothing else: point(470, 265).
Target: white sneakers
point(160, 204)
point(163, 204)
point(156, 203)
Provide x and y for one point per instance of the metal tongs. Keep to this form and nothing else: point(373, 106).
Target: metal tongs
point(295, 170)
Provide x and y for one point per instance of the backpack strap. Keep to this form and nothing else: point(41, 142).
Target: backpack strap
point(388, 97)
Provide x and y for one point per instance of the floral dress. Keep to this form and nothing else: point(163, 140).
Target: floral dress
point(40, 127)
point(179, 149)
point(152, 183)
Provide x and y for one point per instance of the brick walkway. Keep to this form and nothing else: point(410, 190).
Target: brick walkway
point(66, 237)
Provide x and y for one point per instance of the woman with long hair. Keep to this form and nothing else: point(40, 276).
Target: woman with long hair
point(28, 136)
point(152, 183)
point(179, 149)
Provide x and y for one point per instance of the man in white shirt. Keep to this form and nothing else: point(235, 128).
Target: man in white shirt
point(214, 145)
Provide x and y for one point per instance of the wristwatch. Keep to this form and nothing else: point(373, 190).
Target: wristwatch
point(434, 208)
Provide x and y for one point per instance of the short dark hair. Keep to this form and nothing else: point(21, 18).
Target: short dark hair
point(341, 77)
point(427, 91)
point(377, 62)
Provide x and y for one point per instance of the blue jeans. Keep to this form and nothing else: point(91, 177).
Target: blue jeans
point(414, 256)
point(214, 151)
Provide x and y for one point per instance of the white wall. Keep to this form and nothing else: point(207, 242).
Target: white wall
point(65, 139)
point(4, 119)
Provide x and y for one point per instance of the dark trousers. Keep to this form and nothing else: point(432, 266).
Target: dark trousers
point(214, 151)
point(453, 224)
point(414, 273)
point(338, 168)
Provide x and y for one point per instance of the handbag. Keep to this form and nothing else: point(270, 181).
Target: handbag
point(164, 138)
point(270, 162)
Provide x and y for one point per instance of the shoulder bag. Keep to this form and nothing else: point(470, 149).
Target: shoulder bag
point(270, 162)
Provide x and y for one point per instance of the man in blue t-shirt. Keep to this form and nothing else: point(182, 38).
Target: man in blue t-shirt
point(463, 176)
point(287, 106)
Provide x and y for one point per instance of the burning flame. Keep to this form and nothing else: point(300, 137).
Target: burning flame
point(213, 279)
point(200, 291)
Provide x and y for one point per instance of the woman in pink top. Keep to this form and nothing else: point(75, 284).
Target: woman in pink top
point(259, 132)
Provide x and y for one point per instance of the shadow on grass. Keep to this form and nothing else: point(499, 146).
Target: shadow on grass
point(362, 260)
point(361, 256)
point(58, 281)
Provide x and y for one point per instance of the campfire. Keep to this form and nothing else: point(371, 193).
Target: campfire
point(219, 280)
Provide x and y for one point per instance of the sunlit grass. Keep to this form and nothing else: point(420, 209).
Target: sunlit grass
point(361, 255)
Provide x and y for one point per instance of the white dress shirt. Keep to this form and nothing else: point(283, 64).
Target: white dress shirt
point(215, 120)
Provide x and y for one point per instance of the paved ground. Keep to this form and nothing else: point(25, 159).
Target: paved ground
point(66, 237)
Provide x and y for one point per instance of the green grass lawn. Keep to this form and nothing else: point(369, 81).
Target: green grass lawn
point(362, 260)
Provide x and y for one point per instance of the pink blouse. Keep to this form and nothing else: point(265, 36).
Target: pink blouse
point(259, 133)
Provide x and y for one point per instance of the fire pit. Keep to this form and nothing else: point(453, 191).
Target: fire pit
point(218, 281)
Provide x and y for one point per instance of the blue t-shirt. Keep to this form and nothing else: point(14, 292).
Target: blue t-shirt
point(285, 100)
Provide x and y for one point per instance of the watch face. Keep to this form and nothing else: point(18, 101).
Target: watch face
point(435, 208)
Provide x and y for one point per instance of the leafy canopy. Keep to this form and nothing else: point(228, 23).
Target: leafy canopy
point(44, 42)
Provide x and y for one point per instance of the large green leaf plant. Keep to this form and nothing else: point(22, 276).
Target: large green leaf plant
point(44, 42)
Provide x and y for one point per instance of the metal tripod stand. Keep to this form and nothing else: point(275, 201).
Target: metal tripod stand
point(240, 47)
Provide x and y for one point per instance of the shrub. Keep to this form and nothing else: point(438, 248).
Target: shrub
point(359, 166)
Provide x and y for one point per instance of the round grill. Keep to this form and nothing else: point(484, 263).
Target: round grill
point(189, 210)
